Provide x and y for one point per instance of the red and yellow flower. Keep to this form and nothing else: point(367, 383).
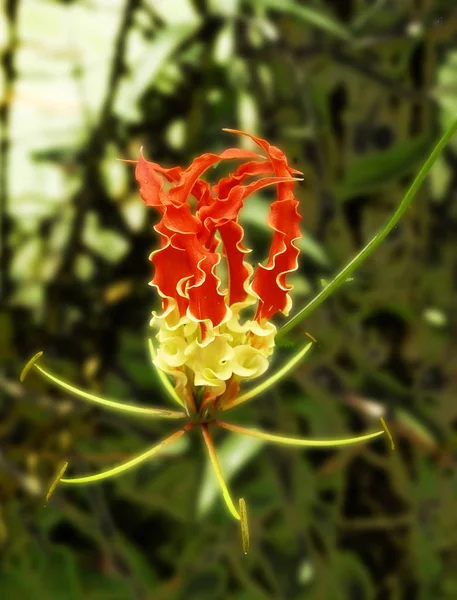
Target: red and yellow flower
point(214, 330)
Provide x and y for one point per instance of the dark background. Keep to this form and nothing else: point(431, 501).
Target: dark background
point(356, 93)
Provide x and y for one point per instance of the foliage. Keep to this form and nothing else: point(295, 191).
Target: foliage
point(356, 93)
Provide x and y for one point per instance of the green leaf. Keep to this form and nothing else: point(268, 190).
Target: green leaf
point(440, 178)
point(224, 45)
point(309, 15)
point(107, 243)
point(146, 67)
point(234, 453)
point(412, 425)
point(45, 576)
point(375, 170)
point(175, 11)
point(227, 8)
point(27, 259)
point(445, 92)
point(435, 317)
point(247, 112)
point(351, 577)
point(208, 584)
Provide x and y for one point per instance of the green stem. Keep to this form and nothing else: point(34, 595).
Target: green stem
point(375, 241)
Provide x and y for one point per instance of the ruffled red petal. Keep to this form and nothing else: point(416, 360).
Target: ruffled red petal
point(238, 271)
point(270, 280)
point(223, 215)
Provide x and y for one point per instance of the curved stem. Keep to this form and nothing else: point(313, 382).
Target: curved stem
point(262, 387)
point(218, 471)
point(375, 241)
point(111, 404)
point(122, 468)
point(279, 439)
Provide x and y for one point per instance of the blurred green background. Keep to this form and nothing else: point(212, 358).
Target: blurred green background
point(355, 92)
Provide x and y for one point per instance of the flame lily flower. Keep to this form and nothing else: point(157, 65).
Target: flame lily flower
point(214, 331)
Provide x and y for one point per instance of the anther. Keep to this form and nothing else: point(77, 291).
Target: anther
point(54, 484)
point(389, 435)
point(29, 365)
point(244, 526)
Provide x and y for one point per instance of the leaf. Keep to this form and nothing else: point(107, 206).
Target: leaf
point(208, 584)
point(137, 561)
point(414, 427)
point(28, 295)
point(228, 8)
point(27, 259)
point(247, 113)
point(148, 65)
point(175, 11)
point(351, 577)
point(224, 45)
point(309, 15)
point(234, 453)
point(107, 243)
point(375, 170)
point(440, 178)
point(45, 576)
point(435, 317)
point(445, 92)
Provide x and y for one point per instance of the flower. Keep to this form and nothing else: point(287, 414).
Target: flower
point(213, 332)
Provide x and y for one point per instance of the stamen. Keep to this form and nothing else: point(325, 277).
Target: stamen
point(124, 467)
point(163, 378)
point(279, 439)
point(119, 406)
point(271, 380)
point(244, 526)
point(56, 481)
point(311, 337)
point(386, 429)
point(29, 365)
point(218, 471)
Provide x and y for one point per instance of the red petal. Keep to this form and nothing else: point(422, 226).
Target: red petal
point(223, 215)
point(184, 271)
point(238, 271)
point(189, 177)
point(172, 269)
point(249, 169)
point(270, 280)
point(205, 299)
point(151, 185)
